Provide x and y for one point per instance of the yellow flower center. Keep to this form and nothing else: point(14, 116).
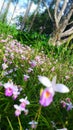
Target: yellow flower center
point(47, 94)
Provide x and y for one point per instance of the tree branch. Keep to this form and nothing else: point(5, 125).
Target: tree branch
point(68, 39)
point(26, 15)
point(65, 23)
point(35, 13)
point(48, 11)
point(70, 23)
point(55, 13)
point(67, 33)
point(62, 10)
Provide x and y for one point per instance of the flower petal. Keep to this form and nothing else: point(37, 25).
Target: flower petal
point(45, 81)
point(46, 98)
point(61, 88)
point(54, 82)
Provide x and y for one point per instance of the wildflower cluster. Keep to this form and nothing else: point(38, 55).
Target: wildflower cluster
point(21, 107)
point(18, 57)
point(20, 65)
point(12, 89)
point(67, 104)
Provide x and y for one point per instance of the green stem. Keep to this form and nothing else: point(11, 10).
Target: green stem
point(38, 114)
point(19, 123)
point(9, 123)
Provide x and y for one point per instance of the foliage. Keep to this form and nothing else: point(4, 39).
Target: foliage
point(30, 58)
point(6, 29)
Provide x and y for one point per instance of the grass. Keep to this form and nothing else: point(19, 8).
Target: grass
point(44, 60)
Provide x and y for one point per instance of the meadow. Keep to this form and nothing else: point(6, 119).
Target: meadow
point(30, 69)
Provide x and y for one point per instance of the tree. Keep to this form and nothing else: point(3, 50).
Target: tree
point(26, 15)
point(2, 6)
point(63, 12)
point(6, 11)
point(16, 3)
point(35, 13)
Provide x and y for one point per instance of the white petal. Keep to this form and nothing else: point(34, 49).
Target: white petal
point(16, 106)
point(54, 82)
point(22, 100)
point(45, 81)
point(61, 88)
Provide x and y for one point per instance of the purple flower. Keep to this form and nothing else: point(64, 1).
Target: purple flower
point(15, 94)
point(18, 110)
point(8, 89)
point(33, 124)
point(11, 90)
point(30, 70)
point(63, 104)
point(46, 97)
point(26, 77)
point(33, 63)
point(69, 106)
point(24, 102)
point(8, 92)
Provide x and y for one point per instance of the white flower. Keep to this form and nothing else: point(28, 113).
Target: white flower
point(4, 66)
point(33, 124)
point(52, 85)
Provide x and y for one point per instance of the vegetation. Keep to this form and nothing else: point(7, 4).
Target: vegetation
point(36, 77)
point(21, 64)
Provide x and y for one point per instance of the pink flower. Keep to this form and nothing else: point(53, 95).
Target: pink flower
point(8, 89)
point(8, 92)
point(33, 124)
point(4, 40)
point(15, 94)
point(4, 59)
point(33, 63)
point(11, 90)
point(30, 70)
point(26, 77)
point(46, 97)
point(63, 104)
point(26, 111)
point(53, 68)
point(24, 102)
point(68, 100)
point(67, 77)
point(18, 110)
point(4, 66)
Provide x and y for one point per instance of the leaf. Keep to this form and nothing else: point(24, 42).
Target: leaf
point(9, 123)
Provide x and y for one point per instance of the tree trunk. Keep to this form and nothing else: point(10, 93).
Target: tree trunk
point(26, 16)
point(2, 7)
point(13, 12)
point(6, 11)
point(35, 13)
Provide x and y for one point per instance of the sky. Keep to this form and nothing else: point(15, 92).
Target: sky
point(20, 9)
